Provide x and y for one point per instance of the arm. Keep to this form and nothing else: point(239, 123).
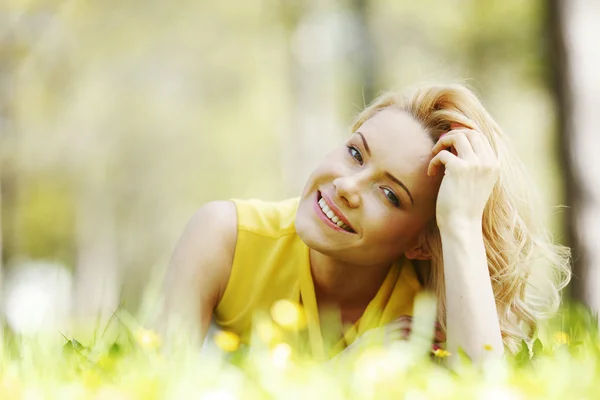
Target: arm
point(199, 270)
point(472, 318)
point(471, 171)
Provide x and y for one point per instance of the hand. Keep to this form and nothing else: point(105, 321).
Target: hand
point(403, 328)
point(399, 329)
point(471, 171)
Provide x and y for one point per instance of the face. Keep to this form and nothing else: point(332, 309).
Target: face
point(369, 200)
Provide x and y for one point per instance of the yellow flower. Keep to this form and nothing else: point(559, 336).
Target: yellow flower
point(441, 353)
point(147, 339)
point(561, 337)
point(267, 331)
point(281, 354)
point(227, 341)
point(289, 315)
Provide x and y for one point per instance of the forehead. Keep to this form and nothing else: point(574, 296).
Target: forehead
point(395, 136)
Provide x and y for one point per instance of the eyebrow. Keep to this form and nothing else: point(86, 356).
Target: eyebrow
point(387, 174)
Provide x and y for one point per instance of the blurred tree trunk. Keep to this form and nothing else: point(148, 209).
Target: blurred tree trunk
point(365, 54)
point(574, 31)
point(313, 33)
point(8, 175)
point(7, 154)
point(97, 276)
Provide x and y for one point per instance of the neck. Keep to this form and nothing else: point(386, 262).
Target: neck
point(344, 284)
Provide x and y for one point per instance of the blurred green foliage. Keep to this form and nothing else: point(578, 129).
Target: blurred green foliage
point(127, 361)
point(152, 109)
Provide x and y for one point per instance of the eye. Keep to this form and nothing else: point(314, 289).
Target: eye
point(355, 153)
point(391, 196)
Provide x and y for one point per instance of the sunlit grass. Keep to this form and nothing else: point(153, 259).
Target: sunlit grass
point(131, 362)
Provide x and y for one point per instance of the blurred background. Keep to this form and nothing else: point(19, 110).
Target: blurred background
point(118, 119)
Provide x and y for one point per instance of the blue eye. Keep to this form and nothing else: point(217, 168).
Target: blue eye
point(391, 196)
point(355, 153)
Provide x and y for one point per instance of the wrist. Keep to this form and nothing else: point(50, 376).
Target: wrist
point(453, 226)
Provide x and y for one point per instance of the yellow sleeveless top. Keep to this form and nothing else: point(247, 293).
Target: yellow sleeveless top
point(271, 263)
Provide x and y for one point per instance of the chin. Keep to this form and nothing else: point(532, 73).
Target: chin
point(315, 239)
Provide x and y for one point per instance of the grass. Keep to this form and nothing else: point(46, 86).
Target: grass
point(127, 361)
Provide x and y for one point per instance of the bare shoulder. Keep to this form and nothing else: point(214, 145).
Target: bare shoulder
point(213, 230)
point(216, 221)
point(205, 250)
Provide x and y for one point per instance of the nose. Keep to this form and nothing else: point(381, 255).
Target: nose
point(347, 189)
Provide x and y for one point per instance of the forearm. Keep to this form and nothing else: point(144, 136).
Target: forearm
point(471, 315)
point(180, 309)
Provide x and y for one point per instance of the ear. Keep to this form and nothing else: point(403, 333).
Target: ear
point(417, 253)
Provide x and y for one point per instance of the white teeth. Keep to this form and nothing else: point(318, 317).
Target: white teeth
point(330, 214)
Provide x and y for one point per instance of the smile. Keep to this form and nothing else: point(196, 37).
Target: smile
point(334, 219)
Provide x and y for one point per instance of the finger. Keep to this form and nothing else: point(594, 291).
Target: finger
point(458, 140)
point(406, 331)
point(456, 125)
point(403, 330)
point(479, 143)
point(404, 318)
point(441, 159)
point(486, 147)
point(400, 322)
point(394, 332)
point(450, 148)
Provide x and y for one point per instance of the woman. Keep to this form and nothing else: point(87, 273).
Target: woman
point(424, 195)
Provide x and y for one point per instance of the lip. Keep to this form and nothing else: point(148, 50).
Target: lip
point(335, 210)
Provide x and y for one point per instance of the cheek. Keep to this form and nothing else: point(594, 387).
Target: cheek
point(383, 225)
point(396, 230)
point(316, 177)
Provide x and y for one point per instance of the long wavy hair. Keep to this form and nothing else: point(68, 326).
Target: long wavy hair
point(528, 270)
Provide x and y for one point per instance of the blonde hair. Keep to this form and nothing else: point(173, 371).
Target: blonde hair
point(527, 269)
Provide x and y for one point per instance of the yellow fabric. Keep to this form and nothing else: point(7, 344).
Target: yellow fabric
point(271, 263)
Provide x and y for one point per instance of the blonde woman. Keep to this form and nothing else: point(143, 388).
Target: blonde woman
point(424, 195)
